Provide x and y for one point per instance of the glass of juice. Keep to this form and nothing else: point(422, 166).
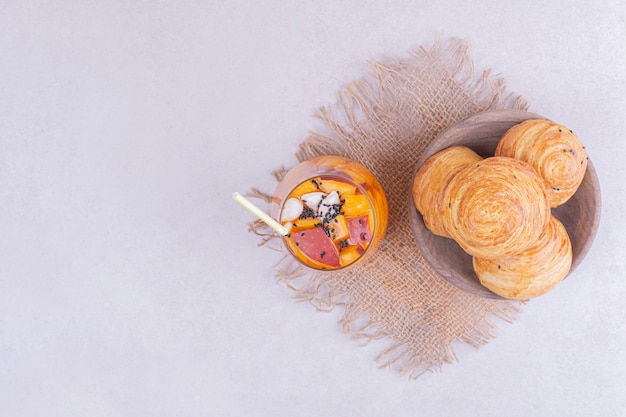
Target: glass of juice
point(337, 210)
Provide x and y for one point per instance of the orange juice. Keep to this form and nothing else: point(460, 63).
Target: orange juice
point(337, 209)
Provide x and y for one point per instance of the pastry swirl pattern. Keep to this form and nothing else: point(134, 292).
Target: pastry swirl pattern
point(431, 181)
point(533, 272)
point(553, 150)
point(497, 207)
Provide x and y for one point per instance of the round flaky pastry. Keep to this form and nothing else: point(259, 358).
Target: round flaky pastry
point(496, 207)
point(553, 150)
point(533, 272)
point(431, 180)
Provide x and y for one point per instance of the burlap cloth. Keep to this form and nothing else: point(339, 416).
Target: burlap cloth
point(385, 121)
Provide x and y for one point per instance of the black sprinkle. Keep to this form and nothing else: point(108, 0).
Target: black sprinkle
point(322, 254)
point(307, 213)
point(332, 213)
point(363, 236)
point(297, 244)
point(560, 130)
point(360, 221)
point(571, 131)
point(302, 234)
point(449, 205)
point(288, 235)
point(498, 266)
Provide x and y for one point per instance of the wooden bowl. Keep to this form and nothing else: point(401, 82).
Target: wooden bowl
point(580, 214)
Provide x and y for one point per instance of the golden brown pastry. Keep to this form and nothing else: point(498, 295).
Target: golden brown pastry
point(553, 150)
point(432, 179)
point(496, 207)
point(533, 272)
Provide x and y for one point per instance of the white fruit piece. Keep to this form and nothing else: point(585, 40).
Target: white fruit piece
point(329, 207)
point(313, 200)
point(292, 209)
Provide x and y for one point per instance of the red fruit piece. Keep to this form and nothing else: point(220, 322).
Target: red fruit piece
point(359, 229)
point(316, 245)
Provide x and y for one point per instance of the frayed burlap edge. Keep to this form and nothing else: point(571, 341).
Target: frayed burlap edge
point(370, 99)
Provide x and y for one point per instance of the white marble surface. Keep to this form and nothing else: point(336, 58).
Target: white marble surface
point(129, 285)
